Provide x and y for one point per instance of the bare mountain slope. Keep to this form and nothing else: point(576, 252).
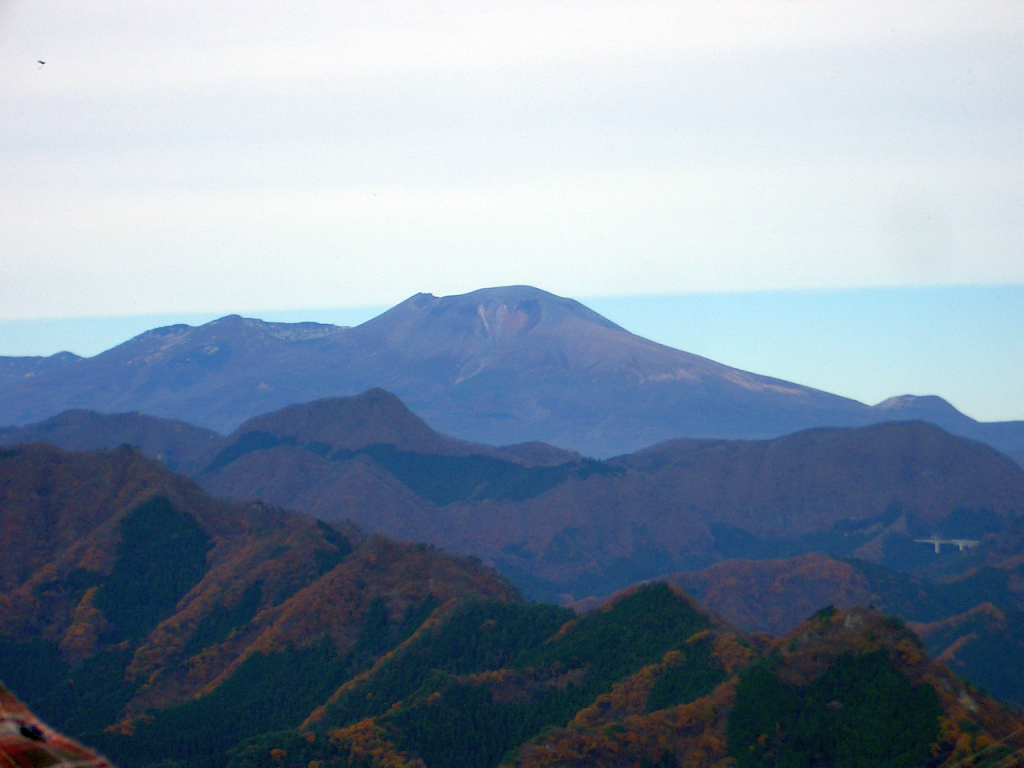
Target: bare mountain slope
point(514, 364)
point(214, 375)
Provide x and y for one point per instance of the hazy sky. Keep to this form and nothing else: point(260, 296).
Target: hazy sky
point(214, 157)
point(175, 156)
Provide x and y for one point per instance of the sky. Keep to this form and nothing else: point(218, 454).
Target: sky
point(815, 190)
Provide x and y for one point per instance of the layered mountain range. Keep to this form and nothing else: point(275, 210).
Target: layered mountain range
point(127, 590)
point(766, 531)
point(497, 366)
point(164, 627)
point(190, 619)
point(973, 621)
point(564, 527)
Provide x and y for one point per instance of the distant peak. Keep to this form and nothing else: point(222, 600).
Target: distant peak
point(164, 330)
point(523, 307)
point(931, 403)
point(506, 291)
point(376, 407)
point(65, 356)
point(304, 331)
point(375, 417)
point(233, 324)
point(514, 294)
point(378, 395)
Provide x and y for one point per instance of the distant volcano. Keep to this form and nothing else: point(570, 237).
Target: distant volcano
point(498, 365)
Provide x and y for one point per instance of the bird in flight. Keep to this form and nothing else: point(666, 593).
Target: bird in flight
point(41, 63)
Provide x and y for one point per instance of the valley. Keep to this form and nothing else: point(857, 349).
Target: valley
point(155, 624)
point(315, 573)
point(511, 385)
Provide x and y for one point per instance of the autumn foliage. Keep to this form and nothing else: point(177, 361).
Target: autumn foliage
point(158, 624)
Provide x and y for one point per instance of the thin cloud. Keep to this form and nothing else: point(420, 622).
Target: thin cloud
point(201, 157)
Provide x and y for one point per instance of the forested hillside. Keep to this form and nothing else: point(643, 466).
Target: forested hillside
point(163, 627)
point(568, 527)
point(563, 527)
point(181, 446)
point(649, 680)
point(972, 620)
point(127, 590)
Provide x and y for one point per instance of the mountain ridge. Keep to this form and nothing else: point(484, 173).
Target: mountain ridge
point(564, 527)
point(496, 366)
point(181, 446)
point(158, 624)
point(128, 590)
point(680, 505)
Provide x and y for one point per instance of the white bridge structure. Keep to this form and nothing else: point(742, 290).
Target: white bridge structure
point(936, 542)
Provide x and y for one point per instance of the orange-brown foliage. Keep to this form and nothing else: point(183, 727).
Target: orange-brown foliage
point(366, 742)
point(84, 496)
